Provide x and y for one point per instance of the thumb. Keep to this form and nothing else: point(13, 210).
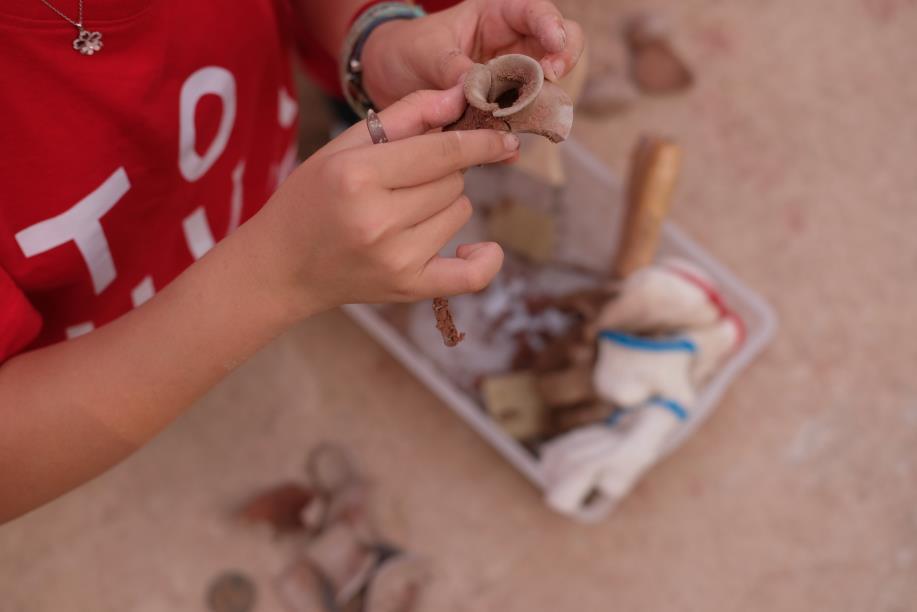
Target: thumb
point(471, 271)
point(451, 68)
point(415, 114)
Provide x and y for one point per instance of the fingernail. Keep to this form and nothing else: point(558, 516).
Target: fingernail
point(559, 67)
point(548, 68)
point(470, 249)
point(510, 142)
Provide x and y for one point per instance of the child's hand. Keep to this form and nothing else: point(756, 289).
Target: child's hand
point(359, 222)
point(435, 51)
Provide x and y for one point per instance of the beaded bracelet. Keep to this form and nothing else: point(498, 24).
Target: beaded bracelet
point(351, 66)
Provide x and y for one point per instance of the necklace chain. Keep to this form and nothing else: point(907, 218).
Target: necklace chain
point(86, 42)
point(77, 24)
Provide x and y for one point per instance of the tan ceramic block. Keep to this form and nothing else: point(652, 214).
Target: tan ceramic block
point(512, 400)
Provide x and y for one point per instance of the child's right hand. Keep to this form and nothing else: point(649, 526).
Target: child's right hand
point(358, 222)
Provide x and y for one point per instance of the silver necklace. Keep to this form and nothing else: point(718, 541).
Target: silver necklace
point(86, 42)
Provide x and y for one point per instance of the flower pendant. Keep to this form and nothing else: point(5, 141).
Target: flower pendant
point(88, 42)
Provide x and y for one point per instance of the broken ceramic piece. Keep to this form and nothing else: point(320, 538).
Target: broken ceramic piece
point(538, 158)
point(661, 298)
point(343, 492)
point(350, 507)
point(606, 94)
point(339, 555)
point(655, 67)
point(632, 369)
point(330, 468)
point(280, 507)
point(232, 592)
point(313, 515)
point(397, 585)
point(512, 400)
point(301, 588)
point(510, 93)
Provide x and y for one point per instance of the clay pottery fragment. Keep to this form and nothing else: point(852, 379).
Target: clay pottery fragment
point(398, 585)
point(655, 67)
point(279, 507)
point(510, 93)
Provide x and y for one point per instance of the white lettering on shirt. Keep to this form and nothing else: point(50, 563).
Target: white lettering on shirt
point(197, 233)
point(80, 224)
point(143, 291)
point(235, 204)
point(282, 169)
point(208, 80)
point(81, 329)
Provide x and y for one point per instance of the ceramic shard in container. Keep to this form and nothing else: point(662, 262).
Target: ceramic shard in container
point(510, 93)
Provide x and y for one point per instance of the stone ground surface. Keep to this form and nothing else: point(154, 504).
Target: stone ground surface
point(800, 493)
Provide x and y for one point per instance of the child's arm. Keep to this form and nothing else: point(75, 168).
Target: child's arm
point(354, 223)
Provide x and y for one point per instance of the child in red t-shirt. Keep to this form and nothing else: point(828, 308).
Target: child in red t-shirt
point(147, 217)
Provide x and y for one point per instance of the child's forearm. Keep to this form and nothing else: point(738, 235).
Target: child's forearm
point(69, 411)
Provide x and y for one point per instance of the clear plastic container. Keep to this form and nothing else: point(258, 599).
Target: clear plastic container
point(591, 201)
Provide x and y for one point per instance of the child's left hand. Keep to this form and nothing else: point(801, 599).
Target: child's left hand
point(436, 51)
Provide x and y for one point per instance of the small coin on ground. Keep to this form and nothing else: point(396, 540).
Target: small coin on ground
point(231, 592)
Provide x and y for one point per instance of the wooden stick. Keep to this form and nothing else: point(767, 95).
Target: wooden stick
point(655, 165)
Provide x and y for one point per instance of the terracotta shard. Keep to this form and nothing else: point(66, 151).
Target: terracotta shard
point(343, 560)
point(302, 588)
point(398, 585)
point(607, 94)
point(510, 93)
point(655, 67)
point(279, 507)
point(350, 506)
point(231, 592)
point(330, 468)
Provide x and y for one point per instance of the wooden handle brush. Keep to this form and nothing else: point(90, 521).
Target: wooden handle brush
point(655, 165)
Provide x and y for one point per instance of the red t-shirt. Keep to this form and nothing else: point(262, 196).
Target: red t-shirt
point(119, 169)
